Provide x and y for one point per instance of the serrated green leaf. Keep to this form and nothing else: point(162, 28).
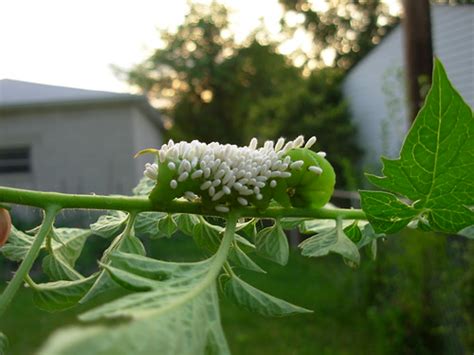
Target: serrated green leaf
point(58, 269)
point(167, 226)
point(102, 283)
point(436, 166)
point(124, 243)
point(133, 245)
point(317, 226)
point(18, 245)
point(61, 295)
point(3, 344)
point(467, 232)
point(353, 232)
point(186, 223)
point(69, 242)
point(334, 241)
point(144, 187)
point(66, 247)
point(248, 229)
point(109, 225)
point(146, 224)
point(193, 329)
point(207, 236)
point(244, 243)
point(272, 243)
point(368, 235)
point(386, 212)
point(136, 272)
point(291, 222)
point(240, 259)
point(255, 300)
point(180, 309)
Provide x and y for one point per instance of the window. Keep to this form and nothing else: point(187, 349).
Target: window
point(15, 160)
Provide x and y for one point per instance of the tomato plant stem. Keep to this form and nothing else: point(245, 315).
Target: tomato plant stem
point(141, 204)
point(27, 263)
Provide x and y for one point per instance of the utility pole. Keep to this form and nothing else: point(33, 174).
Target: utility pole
point(418, 52)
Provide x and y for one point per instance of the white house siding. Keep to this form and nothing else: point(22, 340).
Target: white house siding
point(145, 135)
point(375, 87)
point(453, 42)
point(75, 150)
point(374, 91)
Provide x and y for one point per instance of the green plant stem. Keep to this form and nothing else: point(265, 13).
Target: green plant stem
point(30, 257)
point(140, 204)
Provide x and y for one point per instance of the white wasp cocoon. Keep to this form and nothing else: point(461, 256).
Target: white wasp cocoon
point(173, 184)
point(221, 208)
point(242, 201)
point(315, 169)
point(310, 142)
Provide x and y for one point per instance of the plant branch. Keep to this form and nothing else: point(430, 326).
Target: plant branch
point(27, 263)
point(141, 204)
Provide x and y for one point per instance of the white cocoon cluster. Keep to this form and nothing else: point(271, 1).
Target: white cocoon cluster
point(225, 168)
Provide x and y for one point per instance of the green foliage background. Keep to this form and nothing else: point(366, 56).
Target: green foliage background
point(416, 299)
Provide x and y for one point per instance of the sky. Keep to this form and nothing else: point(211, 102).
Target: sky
point(74, 43)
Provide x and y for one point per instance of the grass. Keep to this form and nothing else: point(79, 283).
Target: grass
point(343, 321)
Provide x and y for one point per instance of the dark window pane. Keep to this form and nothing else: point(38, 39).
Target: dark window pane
point(15, 160)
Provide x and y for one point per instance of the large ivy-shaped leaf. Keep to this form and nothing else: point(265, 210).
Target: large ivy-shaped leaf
point(435, 169)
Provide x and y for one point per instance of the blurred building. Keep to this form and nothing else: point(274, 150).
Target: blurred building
point(73, 140)
point(375, 87)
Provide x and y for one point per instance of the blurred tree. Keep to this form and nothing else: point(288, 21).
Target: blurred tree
point(208, 81)
point(349, 28)
point(216, 89)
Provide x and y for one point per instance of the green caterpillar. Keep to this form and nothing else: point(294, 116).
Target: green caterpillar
point(226, 176)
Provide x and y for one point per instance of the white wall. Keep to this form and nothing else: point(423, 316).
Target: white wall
point(375, 87)
point(80, 150)
point(453, 42)
point(377, 101)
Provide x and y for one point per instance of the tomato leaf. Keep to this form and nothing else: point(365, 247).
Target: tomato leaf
point(272, 243)
point(180, 308)
point(333, 240)
point(255, 300)
point(435, 170)
point(109, 225)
